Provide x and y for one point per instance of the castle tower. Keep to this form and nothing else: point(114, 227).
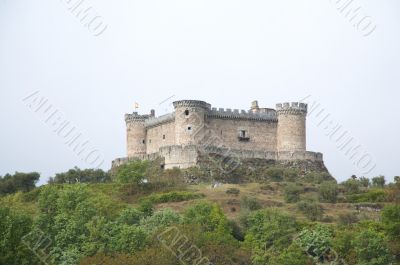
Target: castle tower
point(136, 134)
point(189, 120)
point(291, 134)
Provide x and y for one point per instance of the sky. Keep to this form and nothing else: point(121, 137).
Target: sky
point(92, 60)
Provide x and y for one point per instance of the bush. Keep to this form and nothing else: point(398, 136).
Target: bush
point(365, 182)
point(391, 220)
point(250, 203)
point(292, 193)
point(371, 248)
point(173, 196)
point(347, 218)
point(376, 195)
point(316, 242)
point(328, 192)
point(233, 191)
point(275, 173)
point(351, 186)
point(312, 210)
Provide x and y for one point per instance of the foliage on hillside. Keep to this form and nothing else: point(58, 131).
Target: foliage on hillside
point(130, 221)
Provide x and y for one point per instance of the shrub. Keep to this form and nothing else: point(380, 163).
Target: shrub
point(391, 220)
point(316, 241)
point(347, 218)
point(328, 192)
point(312, 210)
point(233, 191)
point(371, 248)
point(376, 195)
point(351, 186)
point(292, 193)
point(173, 196)
point(275, 173)
point(250, 203)
point(76, 175)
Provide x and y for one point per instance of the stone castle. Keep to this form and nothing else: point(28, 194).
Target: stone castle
point(195, 128)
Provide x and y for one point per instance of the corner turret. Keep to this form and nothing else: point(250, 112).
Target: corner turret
point(291, 133)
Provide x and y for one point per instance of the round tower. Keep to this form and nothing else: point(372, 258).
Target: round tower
point(291, 133)
point(189, 120)
point(136, 134)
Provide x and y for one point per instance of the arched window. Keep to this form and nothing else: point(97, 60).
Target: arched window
point(187, 112)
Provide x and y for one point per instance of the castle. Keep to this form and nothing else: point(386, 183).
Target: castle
point(195, 128)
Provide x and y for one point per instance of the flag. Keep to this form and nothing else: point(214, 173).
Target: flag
point(136, 105)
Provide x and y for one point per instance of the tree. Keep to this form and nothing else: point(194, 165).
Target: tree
point(294, 255)
point(268, 233)
point(391, 220)
point(133, 172)
point(371, 248)
point(365, 182)
point(351, 186)
point(328, 192)
point(378, 181)
point(76, 175)
point(292, 193)
point(13, 227)
point(18, 182)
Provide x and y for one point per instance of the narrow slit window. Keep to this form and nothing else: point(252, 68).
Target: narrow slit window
point(187, 112)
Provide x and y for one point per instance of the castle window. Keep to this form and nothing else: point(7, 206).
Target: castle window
point(143, 141)
point(243, 137)
point(163, 136)
point(187, 112)
point(189, 128)
point(149, 141)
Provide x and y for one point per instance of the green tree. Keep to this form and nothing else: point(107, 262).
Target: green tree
point(76, 175)
point(18, 182)
point(378, 181)
point(328, 192)
point(133, 172)
point(351, 186)
point(268, 233)
point(371, 248)
point(294, 255)
point(13, 227)
point(365, 182)
point(391, 220)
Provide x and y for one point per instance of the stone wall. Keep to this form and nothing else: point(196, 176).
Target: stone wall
point(159, 136)
point(261, 134)
point(179, 156)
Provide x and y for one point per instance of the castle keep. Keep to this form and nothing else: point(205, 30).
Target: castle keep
point(195, 128)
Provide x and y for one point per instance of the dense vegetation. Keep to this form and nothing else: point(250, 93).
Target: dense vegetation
point(143, 215)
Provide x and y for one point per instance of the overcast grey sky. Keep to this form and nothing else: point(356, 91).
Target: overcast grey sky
point(226, 52)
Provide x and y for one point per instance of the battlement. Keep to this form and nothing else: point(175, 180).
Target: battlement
point(135, 117)
point(237, 114)
point(192, 103)
point(291, 108)
point(160, 120)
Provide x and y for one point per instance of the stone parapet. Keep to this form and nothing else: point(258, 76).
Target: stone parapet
point(291, 108)
point(191, 104)
point(151, 122)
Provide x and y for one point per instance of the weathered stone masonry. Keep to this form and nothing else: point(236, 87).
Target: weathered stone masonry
point(196, 128)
